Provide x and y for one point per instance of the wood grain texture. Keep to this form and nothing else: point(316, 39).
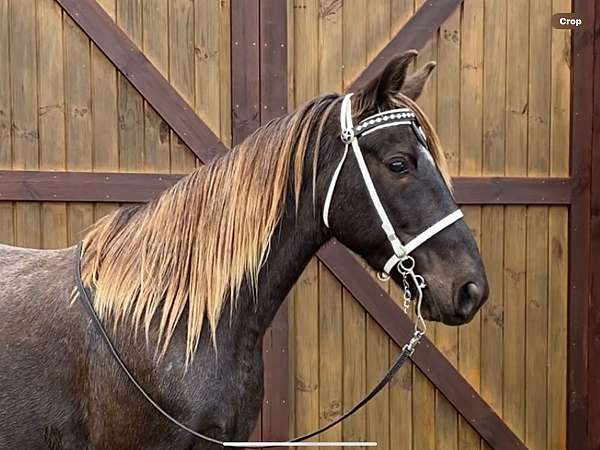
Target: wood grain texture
point(515, 254)
point(181, 73)
point(5, 89)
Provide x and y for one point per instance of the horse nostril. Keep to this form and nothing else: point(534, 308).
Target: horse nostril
point(470, 296)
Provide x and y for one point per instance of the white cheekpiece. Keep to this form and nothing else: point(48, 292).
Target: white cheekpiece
point(350, 138)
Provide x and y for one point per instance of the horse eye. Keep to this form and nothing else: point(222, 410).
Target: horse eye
point(398, 166)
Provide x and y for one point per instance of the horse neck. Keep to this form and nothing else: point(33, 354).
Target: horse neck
point(295, 240)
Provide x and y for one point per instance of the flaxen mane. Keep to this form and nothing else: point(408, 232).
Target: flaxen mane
point(189, 250)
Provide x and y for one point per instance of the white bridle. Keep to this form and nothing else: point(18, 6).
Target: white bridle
point(401, 252)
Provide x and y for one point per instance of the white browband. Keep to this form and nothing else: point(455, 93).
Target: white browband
point(349, 135)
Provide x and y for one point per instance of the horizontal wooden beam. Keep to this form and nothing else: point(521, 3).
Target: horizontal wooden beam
point(141, 187)
point(144, 77)
point(427, 357)
point(512, 191)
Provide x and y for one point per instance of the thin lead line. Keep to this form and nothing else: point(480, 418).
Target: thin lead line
point(298, 444)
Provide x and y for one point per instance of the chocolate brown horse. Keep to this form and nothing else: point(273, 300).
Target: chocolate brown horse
point(188, 283)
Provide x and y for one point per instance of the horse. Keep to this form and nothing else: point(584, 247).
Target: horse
point(188, 283)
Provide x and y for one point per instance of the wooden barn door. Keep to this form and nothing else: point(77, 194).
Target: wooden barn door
point(107, 102)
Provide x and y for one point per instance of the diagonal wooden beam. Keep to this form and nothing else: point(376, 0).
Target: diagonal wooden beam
point(172, 108)
point(419, 29)
point(143, 76)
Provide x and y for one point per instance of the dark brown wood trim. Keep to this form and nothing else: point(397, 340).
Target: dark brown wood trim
point(273, 84)
point(512, 190)
point(140, 187)
point(579, 229)
point(148, 81)
point(82, 186)
point(594, 263)
point(245, 68)
point(420, 28)
point(427, 357)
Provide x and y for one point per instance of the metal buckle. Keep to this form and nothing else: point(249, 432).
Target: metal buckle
point(347, 135)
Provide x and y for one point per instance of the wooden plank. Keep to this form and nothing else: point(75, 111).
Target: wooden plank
point(400, 12)
point(494, 79)
point(5, 89)
point(558, 236)
point(124, 54)
point(181, 73)
point(427, 358)
point(492, 217)
point(306, 322)
point(77, 97)
point(512, 190)
point(558, 229)
point(424, 392)
point(594, 264)
point(156, 47)
point(245, 63)
point(23, 77)
point(330, 352)
point(24, 101)
point(471, 93)
point(448, 90)
point(448, 102)
point(130, 104)
point(79, 122)
point(492, 313)
point(136, 187)
point(515, 245)
point(517, 69)
point(51, 115)
point(307, 359)
point(414, 35)
point(354, 379)
point(104, 105)
point(400, 388)
point(273, 103)
point(536, 408)
point(207, 62)
point(354, 35)
point(51, 98)
point(536, 329)
point(560, 95)
point(377, 21)
point(330, 46)
point(582, 109)
point(6, 208)
point(273, 59)
point(469, 345)
point(539, 87)
point(225, 68)
point(7, 228)
point(354, 59)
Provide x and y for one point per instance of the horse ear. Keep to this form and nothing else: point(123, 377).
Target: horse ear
point(390, 80)
point(414, 84)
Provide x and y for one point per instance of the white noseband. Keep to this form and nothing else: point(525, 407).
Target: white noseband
point(349, 135)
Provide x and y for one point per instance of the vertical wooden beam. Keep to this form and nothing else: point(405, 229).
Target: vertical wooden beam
point(245, 68)
point(245, 90)
point(273, 103)
point(594, 314)
point(579, 229)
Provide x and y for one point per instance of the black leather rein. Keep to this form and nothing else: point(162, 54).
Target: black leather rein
point(407, 351)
